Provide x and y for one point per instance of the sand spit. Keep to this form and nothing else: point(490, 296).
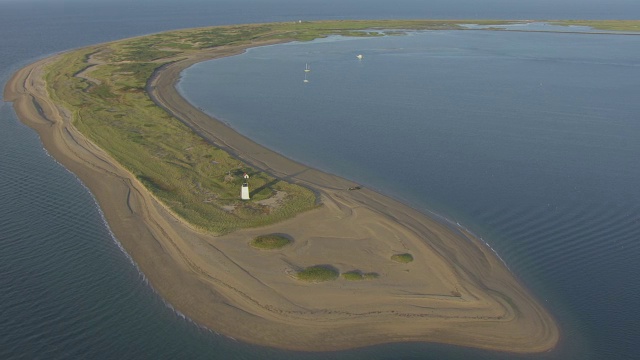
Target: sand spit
point(456, 291)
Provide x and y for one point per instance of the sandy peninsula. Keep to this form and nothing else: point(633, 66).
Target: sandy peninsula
point(455, 291)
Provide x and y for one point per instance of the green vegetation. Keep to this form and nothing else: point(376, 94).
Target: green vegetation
point(358, 275)
point(609, 25)
point(370, 275)
point(104, 89)
point(317, 273)
point(402, 258)
point(270, 242)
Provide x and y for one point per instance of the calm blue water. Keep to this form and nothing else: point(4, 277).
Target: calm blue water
point(67, 291)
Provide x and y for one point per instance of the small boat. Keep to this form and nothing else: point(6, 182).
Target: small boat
point(359, 56)
point(307, 68)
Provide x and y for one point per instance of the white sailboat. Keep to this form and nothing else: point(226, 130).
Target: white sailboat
point(307, 68)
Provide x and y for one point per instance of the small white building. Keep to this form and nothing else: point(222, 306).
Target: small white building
point(244, 192)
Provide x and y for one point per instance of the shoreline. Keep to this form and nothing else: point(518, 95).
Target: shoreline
point(224, 285)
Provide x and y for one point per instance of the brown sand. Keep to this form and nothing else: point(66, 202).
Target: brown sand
point(456, 291)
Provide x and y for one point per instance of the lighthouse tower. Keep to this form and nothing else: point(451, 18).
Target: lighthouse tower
point(244, 192)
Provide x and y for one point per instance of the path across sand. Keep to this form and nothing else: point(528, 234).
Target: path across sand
point(456, 290)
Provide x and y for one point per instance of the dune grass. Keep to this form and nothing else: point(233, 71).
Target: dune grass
point(318, 273)
point(402, 258)
point(196, 180)
point(609, 25)
point(270, 242)
point(357, 275)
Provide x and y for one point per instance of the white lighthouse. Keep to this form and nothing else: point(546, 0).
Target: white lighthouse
point(244, 192)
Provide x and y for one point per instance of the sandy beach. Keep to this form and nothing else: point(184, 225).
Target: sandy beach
point(456, 291)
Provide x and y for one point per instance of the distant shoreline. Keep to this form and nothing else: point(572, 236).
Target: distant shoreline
point(223, 284)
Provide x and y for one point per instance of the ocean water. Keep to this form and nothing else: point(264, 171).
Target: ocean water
point(542, 168)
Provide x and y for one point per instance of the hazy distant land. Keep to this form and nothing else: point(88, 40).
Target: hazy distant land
point(306, 264)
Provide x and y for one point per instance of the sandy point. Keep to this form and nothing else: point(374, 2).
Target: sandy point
point(455, 291)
